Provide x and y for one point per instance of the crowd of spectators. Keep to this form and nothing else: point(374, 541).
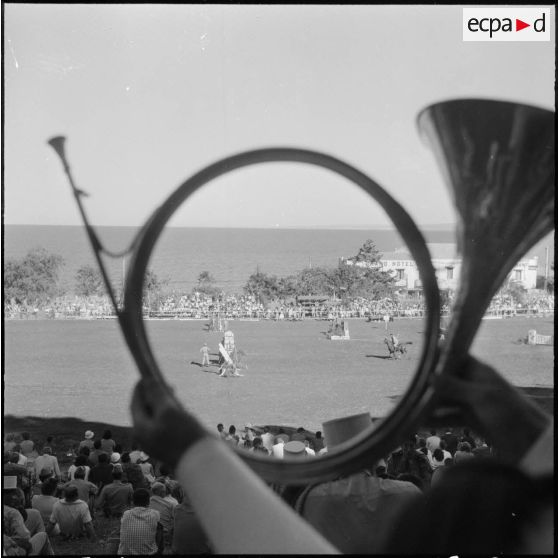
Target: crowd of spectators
point(45, 502)
point(202, 306)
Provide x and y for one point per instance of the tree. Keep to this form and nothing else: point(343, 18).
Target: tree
point(89, 281)
point(152, 288)
point(262, 286)
point(206, 284)
point(34, 278)
point(368, 254)
point(313, 281)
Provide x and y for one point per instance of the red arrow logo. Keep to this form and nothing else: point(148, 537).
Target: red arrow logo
point(519, 25)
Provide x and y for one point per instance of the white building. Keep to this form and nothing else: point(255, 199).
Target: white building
point(447, 265)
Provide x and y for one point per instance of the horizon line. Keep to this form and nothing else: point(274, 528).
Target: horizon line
point(441, 226)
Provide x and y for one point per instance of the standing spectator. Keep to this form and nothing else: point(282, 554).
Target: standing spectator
point(96, 453)
point(481, 449)
point(47, 461)
point(101, 474)
point(267, 439)
point(451, 441)
point(116, 497)
point(45, 502)
point(146, 468)
point(299, 435)
point(318, 442)
point(232, 437)
point(433, 441)
point(437, 459)
point(221, 430)
point(88, 441)
point(107, 443)
point(165, 506)
point(140, 530)
point(115, 460)
point(72, 516)
point(439, 472)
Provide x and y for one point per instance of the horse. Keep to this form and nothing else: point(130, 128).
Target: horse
point(396, 351)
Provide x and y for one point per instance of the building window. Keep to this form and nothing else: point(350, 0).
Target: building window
point(517, 274)
point(400, 274)
point(449, 272)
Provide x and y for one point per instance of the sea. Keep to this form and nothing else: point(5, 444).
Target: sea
point(231, 255)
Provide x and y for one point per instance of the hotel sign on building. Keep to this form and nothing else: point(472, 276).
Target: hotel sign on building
point(447, 265)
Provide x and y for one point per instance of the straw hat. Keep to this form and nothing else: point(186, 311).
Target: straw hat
point(115, 457)
point(89, 434)
point(143, 457)
point(340, 430)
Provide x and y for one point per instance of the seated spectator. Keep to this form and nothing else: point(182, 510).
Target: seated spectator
point(80, 461)
point(86, 489)
point(47, 461)
point(258, 447)
point(421, 446)
point(101, 474)
point(45, 502)
point(31, 517)
point(188, 534)
point(282, 435)
point(439, 472)
point(146, 468)
point(437, 459)
point(407, 459)
point(115, 459)
point(340, 508)
point(447, 454)
point(116, 497)
point(16, 537)
point(44, 475)
point(278, 449)
point(12, 468)
point(132, 473)
point(161, 502)
point(463, 452)
point(96, 453)
point(27, 446)
point(87, 441)
point(10, 443)
point(72, 516)
point(107, 443)
point(140, 530)
point(468, 438)
point(135, 454)
point(174, 490)
point(481, 449)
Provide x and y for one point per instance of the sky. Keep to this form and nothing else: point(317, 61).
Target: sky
point(149, 94)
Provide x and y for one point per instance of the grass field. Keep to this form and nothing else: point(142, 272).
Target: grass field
point(295, 374)
point(65, 377)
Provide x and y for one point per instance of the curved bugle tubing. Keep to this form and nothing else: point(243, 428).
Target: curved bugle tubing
point(498, 159)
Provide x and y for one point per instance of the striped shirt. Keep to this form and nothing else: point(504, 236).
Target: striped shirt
point(138, 529)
